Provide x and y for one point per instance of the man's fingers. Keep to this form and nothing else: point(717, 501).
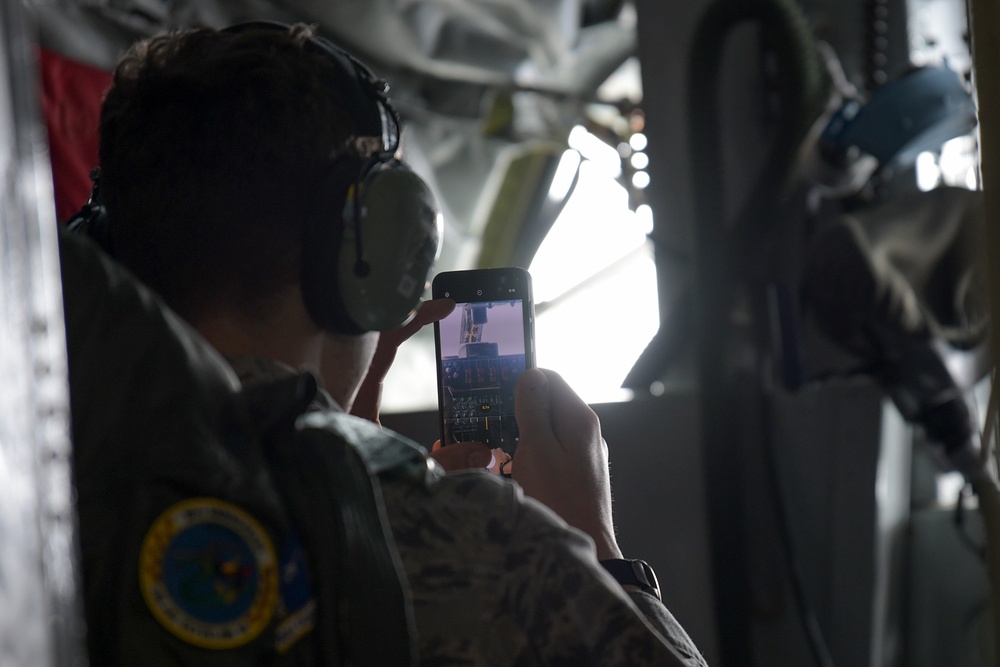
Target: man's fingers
point(434, 310)
point(462, 456)
point(389, 341)
point(533, 405)
point(573, 419)
point(427, 313)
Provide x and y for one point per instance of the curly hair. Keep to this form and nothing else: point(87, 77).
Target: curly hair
point(213, 145)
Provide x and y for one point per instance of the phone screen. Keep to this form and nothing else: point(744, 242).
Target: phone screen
point(483, 346)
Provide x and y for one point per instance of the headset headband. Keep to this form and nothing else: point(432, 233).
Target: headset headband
point(352, 75)
point(345, 288)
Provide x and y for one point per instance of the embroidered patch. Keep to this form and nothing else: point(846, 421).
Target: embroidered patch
point(208, 573)
point(296, 607)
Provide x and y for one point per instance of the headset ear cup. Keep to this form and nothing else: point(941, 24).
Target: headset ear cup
point(390, 221)
point(365, 263)
point(322, 238)
point(399, 227)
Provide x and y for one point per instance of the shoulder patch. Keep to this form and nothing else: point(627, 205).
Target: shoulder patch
point(296, 613)
point(208, 573)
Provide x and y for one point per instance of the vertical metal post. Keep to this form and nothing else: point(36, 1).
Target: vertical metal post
point(986, 60)
point(40, 619)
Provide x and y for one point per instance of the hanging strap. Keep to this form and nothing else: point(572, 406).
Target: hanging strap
point(329, 467)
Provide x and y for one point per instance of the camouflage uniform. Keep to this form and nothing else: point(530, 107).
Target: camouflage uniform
point(213, 532)
point(498, 579)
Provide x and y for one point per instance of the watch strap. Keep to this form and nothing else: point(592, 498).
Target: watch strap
point(637, 573)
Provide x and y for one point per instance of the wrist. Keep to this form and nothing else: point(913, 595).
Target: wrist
point(633, 575)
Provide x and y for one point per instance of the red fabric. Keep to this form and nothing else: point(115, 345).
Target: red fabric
point(71, 105)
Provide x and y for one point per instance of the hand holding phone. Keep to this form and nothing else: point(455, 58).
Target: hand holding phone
point(369, 397)
point(462, 456)
point(563, 461)
point(482, 348)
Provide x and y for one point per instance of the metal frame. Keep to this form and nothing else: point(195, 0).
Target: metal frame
point(40, 617)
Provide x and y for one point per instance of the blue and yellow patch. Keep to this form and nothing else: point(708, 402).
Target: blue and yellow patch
point(208, 573)
point(296, 616)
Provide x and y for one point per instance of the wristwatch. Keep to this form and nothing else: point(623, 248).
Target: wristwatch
point(633, 573)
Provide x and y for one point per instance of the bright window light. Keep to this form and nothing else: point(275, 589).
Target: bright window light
point(562, 180)
point(595, 282)
point(638, 141)
point(959, 162)
point(949, 486)
point(591, 147)
point(972, 179)
point(644, 217)
point(594, 336)
point(928, 172)
point(594, 229)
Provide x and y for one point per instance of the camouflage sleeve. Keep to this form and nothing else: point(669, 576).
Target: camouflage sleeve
point(498, 579)
point(661, 618)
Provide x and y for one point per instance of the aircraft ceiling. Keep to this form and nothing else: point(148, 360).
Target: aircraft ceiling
point(476, 81)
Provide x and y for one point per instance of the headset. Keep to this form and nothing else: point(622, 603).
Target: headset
point(350, 284)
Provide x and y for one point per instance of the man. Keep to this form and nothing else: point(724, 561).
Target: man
point(249, 179)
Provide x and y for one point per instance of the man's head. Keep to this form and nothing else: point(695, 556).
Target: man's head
point(227, 158)
point(213, 146)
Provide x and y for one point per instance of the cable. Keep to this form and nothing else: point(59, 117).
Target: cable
point(810, 623)
point(979, 550)
point(720, 262)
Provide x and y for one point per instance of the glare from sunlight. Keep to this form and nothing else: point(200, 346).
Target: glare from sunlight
point(640, 180)
point(595, 150)
point(639, 160)
point(592, 331)
point(562, 180)
point(955, 165)
point(594, 281)
point(928, 171)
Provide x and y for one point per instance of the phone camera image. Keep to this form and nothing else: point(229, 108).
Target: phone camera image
point(484, 347)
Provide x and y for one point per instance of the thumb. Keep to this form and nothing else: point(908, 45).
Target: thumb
point(533, 405)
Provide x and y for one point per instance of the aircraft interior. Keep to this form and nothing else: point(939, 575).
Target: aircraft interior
point(759, 240)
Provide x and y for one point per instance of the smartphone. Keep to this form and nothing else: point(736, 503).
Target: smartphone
point(482, 348)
